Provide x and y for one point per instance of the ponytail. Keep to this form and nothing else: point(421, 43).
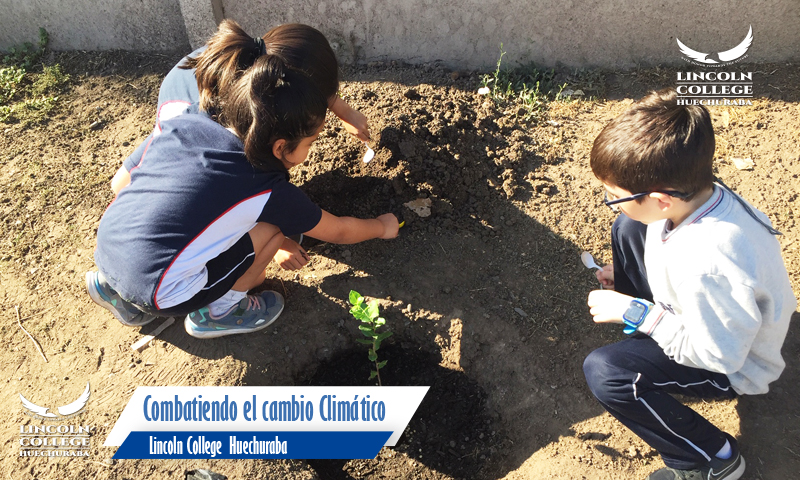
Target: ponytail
point(231, 52)
point(272, 101)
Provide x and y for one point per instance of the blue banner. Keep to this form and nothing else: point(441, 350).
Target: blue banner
point(252, 444)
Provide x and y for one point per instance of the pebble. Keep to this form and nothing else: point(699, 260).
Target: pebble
point(743, 163)
point(521, 312)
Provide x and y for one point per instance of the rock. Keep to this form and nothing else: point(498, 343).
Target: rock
point(521, 312)
point(484, 91)
point(743, 163)
point(420, 206)
point(203, 474)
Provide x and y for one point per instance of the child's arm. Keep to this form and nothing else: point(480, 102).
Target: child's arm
point(354, 121)
point(348, 230)
point(123, 177)
point(121, 180)
point(714, 331)
point(716, 327)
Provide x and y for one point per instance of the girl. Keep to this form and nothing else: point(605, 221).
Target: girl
point(209, 202)
point(301, 46)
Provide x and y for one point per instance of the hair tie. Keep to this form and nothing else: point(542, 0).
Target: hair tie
point(262, 48)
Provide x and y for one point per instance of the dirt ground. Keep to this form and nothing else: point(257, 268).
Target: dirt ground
point(486, 296)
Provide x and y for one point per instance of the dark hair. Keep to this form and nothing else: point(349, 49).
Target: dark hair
point(272, 101)
point(231, 51)
point(657, 144)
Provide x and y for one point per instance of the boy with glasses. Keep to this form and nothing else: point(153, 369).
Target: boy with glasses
point(721, 301)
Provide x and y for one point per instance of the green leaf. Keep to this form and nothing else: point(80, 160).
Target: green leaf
point(360, 314)
point(365, 342)
point(372, 355)
point(380, 321)
point(354, 296)
point(372, 309)
point(373, 374)
point(384, 335)
point(382, 364)
point(368, 331)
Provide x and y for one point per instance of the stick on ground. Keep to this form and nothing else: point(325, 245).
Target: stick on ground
point(139, 345)
point(35, 343)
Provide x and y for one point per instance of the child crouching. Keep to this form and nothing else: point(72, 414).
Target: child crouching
point(721, 294)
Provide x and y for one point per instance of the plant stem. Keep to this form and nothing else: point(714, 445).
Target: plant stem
point(377, 369)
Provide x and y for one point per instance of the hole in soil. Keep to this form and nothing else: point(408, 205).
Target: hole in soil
point(452, 432)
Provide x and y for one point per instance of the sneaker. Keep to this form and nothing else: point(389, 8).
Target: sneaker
point(718, 469)
point(106, 297)
point(254, 312)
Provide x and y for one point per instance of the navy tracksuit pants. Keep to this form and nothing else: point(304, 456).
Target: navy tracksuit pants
point(635, 380)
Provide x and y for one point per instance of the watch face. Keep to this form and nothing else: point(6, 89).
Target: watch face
point(635, 313)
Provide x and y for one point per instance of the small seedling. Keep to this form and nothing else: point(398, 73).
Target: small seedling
point(369, 315)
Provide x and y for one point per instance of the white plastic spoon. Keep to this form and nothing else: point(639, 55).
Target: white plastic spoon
point(369, 155)
point(588, 261)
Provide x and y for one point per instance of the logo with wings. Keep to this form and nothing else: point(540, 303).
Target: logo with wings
point(721, 57)
point(64, 411)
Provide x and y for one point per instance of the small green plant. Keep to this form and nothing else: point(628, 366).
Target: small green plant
point(24, 95)
point(370, 318)
point(527, 85)
point(26, 55)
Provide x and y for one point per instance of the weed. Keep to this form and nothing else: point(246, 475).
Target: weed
point(26, 55)
point(528, 85)
point(369, 315)
point(10, 78)
point(24, 95)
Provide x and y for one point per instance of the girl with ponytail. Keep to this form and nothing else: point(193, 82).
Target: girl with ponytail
point(202, 76)
point(209, 204)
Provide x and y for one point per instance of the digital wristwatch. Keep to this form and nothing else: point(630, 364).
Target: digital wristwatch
point(635, 315)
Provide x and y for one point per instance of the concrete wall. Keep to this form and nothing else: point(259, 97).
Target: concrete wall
point(461, 33)
point(94, 24)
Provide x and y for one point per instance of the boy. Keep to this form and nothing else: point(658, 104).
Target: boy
point(722, 298)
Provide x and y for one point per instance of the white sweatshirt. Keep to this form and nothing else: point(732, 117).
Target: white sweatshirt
point(723, 297)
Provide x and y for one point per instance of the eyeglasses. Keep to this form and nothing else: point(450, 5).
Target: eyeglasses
point(612, 203)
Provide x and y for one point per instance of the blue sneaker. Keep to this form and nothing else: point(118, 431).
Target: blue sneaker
point(731, 468)
point(255, 312)
point(105, 296)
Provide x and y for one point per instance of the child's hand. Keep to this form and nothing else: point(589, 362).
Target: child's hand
point(606, 276)
point(607, 306)
point(353, 121)
point(356, 123)
point(390, 226)
point(291, 256)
